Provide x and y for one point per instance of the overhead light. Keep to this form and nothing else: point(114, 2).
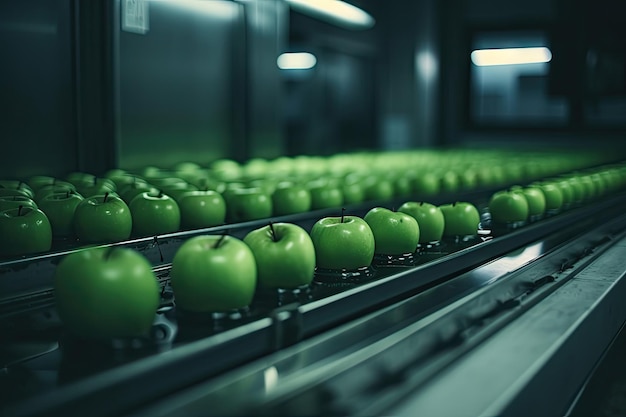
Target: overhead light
point(335, 11)
point(296, 60)
point(510, 56)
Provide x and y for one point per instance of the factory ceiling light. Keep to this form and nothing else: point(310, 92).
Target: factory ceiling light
point(510, 56)
point(334, 11)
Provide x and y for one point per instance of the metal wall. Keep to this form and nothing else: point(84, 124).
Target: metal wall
point(175, 83)
point(37, 133)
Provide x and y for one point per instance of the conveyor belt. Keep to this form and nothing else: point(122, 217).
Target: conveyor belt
point(203, 351)
point(403, 348)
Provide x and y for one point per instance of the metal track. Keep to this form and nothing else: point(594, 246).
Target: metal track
point(198, 361)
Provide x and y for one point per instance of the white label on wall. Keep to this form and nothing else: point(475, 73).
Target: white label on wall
point(135, 17)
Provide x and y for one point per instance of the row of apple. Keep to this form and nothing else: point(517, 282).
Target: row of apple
point(216, 273)
point(518, 204)
point(212, 273)
point(103, 210)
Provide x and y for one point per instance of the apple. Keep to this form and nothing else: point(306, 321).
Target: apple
point(105, 293)
point(284, 254)
point(200, 209)
point(24, 230)
point(460, 219)
point(325, 194)
point(426, 184)
point(378, 189)
point(10, 192)
point(226, 169)
point(37, 181)
point(102, 219)
point(395, 232)
point(429, 218)
point(78, 178)
point(450, 182)
point(244, 204)
point(403, 186)
point(552, 193)
point(56, 187)
point(566, 191)
point(536, 201)
point(96, 186)
point(345, 242)
point(178, 189)
point(132, 190)
point(291, 198)
point(7, 187)
point(9, 202)
point(508, 206)
point(213, 274)
point(60, 209)
point(352, 189)
point(154, 214)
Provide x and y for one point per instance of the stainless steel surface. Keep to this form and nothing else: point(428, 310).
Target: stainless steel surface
point(537, 365)
point(368, 366)
point(174, 89)
point(36, 88)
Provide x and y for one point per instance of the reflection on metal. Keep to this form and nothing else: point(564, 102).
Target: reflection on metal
point(296, 61)
point(426, 63)
point(218, 9)
point(510, 56)
point(335, 11)
point(270, 377)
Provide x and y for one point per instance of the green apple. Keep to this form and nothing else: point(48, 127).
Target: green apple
point(378, 189)
point(226, 170)
point(403, 186)
point(552, 193)
point(102, 219)
point(325, 194)
point(291, 198)
point(508, 206)
point(60, 209)
point(460, 219)
point(245, 204)
point(8, 187)
point(24, 230)
point(450, 182)
point(56, 187)
point(284, 254)
point(429, 218)
point(132, 190)
point(536, 201)
point(352, 190)
point(97, 186)
point(9, 202)
point(154, 214)
point(37, 181)
point(200, 209)
point(395, 232)
point(213, 274)
point(178, 189)
point(345, 242)
point(78, 178)
point(426, 184)
point(106, 293)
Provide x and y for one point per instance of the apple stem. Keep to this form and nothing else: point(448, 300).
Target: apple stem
point(106, 196)
point(220, 240)
point(95, 180)
point(67, 194)
point(19, 184)
point(19, 210)
point(273, 232)
point(160, 193)
point(343, 211)
point(421, 204)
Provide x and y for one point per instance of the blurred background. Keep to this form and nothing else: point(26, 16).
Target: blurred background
point(90, 86)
